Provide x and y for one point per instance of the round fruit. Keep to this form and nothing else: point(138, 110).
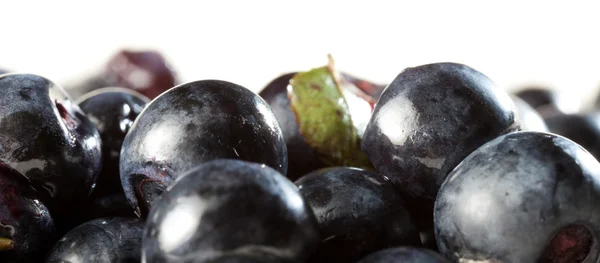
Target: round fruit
point(191, 124)
point(523, 197)
point(47, 139)
point(104, 240)
point(358, 212)
point(426, 121)
point(225, 207)
point(322, 116)
point(302, 159)
point(113, 111)
point(26, 227)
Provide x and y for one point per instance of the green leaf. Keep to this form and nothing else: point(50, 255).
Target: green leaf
point(324, 118)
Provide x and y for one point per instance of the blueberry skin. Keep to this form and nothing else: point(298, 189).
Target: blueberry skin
point(359, 212)
point(48, 140)
point(426, 121)
point(24, 220)
point(113, 111)
point(584, 129)
point(193, 123)
point(104, 240)
point(404, 255)
point(225, 207)
point(509, 199)
point(529, 118)
point(302, 159)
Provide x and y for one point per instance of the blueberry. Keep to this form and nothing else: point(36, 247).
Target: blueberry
point(584, 129)
point(302, 158)
point(322, 116)
point(144, 71)
point(523, 197)
point(191, 124)
point(26, 227)
point(426, 121)
point(228, 207)
point(529, 118)
point(48, 140)
point(404, 255)
point(358, 212)
point(113, 111)
point(104, 240)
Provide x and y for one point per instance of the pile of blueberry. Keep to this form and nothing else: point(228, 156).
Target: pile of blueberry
point(441, 165)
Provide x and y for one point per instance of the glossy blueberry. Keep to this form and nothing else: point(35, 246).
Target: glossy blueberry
point(584, 129)
point(47, 139)
point(529, 118)
point(104, 240)
point(113, 111)
point(226, 207)
point(26, 227)
point(191, 124)
point(404, 255)
point(426, 121)
point(302, 159)
point(523, 197)
point(358, 212)
point(145, 71)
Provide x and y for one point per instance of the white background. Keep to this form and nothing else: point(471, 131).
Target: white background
point(251, 42)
